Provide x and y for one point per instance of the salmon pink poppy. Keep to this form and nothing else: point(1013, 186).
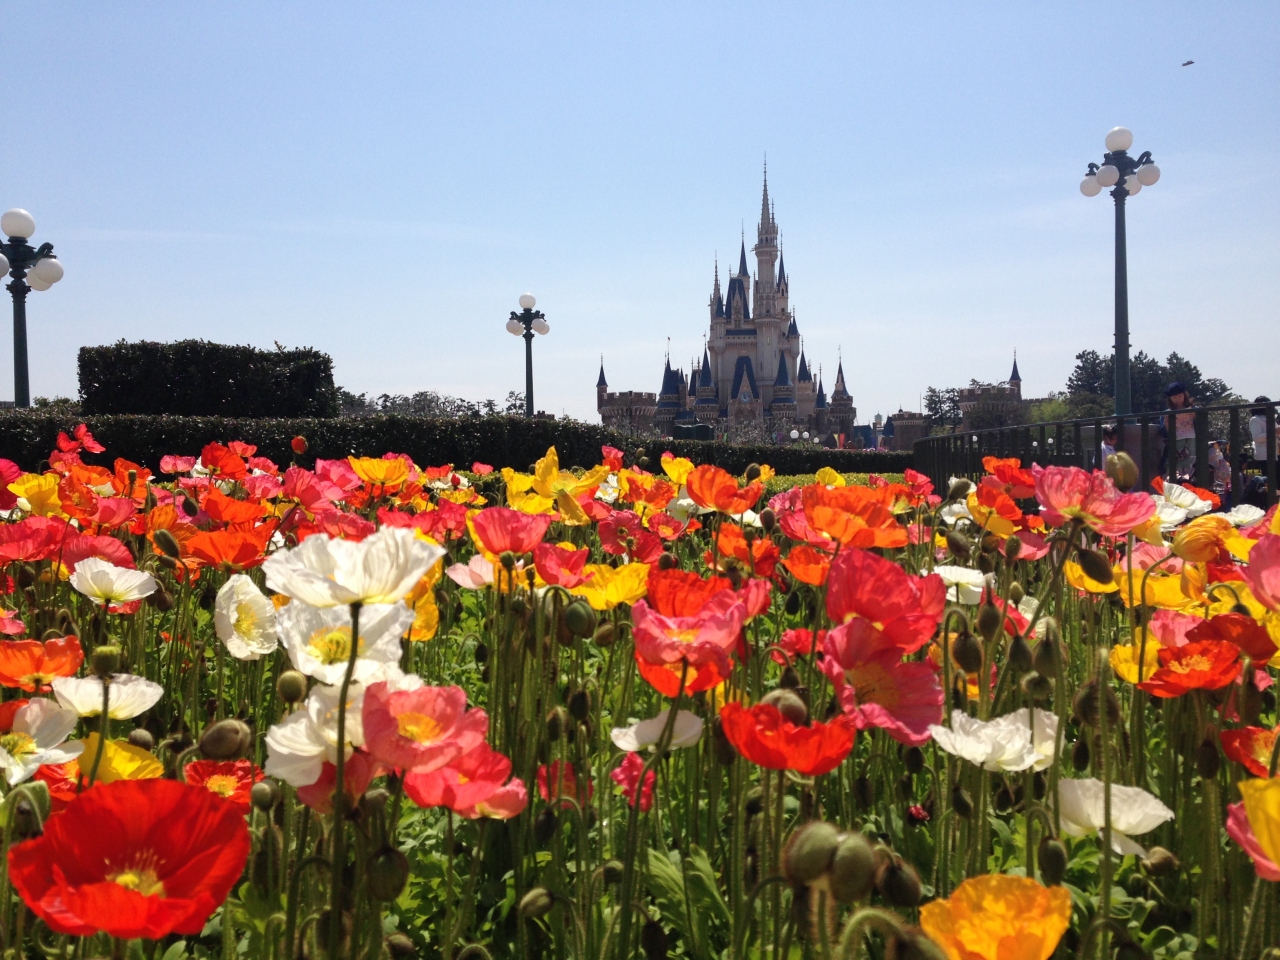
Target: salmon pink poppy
point(230, 779)
point(501, 529)
point(767, 739)
point(1251, 747)
point(788, 508)
point(420, 729)
point(904, 608)
point(475, 785)
point(876, 688)
point(1263, 572)
point(170, 463)
point(559, 781)
point(561, 566)
point(1198, 665)
point(1241, 831)
point(705, 638)
point(716, 489)
point(1070, 493)
point(854, 516)
point(142, 858)
point(35, 538)
point(31, 665)
point(627, 776)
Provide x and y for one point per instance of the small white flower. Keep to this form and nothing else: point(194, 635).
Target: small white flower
point(1180, 496)
point(299, 745)
point(129, 695)
point(964, 585)
point(646, 734)
point(954, 512)
point(1169, 515)
point(1133, 811)
point(1004, 744)
point(1244, 514)
point(37, 736)
point(104, 582)
point(477, 573)
point(608, 491)
point(244, 619)
point(318, 639)
point(380, 569)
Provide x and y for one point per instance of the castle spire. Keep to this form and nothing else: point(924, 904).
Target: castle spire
point(601, 381)
point(742, 259)
point(766, 212)
point(1015, 377)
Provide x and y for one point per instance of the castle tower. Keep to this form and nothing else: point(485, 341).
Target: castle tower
point(602, 388)
point(783, 408)
point(843, 414)
point(766, 251)
point(1015, 378)
point(707, 406)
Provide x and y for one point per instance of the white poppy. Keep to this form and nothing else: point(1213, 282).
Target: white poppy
point(1170, 515)
point(104, 582)
point(318, 639)
point(1004, 744)
point(608, 491)
point(954, 512)
point(244, 619)
point(1133, 811)
point(477, 573)
point(1180, 496)
point(964, 585)
point(299, 745)
point(39, 729)
point(1244, 514)
point(683, 507)
point(646, 734)
point(380, 569)
point(130, 695)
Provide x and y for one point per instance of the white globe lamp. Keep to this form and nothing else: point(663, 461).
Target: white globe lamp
point(1119, 138)
point(1148, 174)
point(1090, 186)
point(48, 270)
point(17, 223)
point(527, 301)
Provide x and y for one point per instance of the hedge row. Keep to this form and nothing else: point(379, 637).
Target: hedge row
point(198, 378)
point(27, 437)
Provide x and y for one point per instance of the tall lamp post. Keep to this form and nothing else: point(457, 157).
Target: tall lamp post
point(526, 323)
point(1127, 175)
point(32, 268)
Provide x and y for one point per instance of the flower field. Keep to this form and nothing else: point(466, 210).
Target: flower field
point(367, 708)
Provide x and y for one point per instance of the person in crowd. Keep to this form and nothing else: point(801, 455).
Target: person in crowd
point(1108, 441)
point(1258, 428)
point(1179, 430)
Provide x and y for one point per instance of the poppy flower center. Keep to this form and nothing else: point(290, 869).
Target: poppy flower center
point(224, 785)
point(874, 684)
point(1196, 663)
point(17, 744)
point(246, 620)
point(33, 679)
point(331, 645)
point(141, 877)
point(419, 727)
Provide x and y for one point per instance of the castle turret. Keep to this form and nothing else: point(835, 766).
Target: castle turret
point(1015, 378)
point(843, 414)
point(602, 388)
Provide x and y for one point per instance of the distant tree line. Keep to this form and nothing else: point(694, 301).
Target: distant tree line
point(427, 403)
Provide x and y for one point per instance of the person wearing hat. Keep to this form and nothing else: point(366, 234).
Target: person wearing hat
point(1182, 428)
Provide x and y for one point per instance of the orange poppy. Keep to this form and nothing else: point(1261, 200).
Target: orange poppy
point(853, 516)
point(222, 461)
point(665, 677)
point(1008, 474)
point(716, 489)
point(1250, 747)
point(231, 512)
point(1240, 629)
point(31, 665)
point(767, 739)
point(760, 559)
point(808, 565)
point(681, 593)
point(228, 549)
point(1203, 665)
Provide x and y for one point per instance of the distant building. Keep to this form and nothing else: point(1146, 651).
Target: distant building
point(753, 375)
point(904, 428)
point(992, 404)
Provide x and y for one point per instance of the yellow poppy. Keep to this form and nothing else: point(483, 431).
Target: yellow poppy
point(562, 487)
point(121, 760)
point(998, 917)
point(989, 520)
point(1163, 590)
point(829, 477)
point(1201, 540)
point(389, 474)
point(1124, 660)
point(611, 586)
point(677, 469)
point(40, 491)
point(1262, 806)
point(1076, 576)
point(767, 473)
point(422, 601)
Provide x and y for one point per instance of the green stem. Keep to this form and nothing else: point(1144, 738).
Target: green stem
point(340, 794)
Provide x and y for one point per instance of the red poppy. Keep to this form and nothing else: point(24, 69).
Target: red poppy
point(561, 566)
point(223, 461)
point(560, 781)
point(904, 608)
point(665, 677)
point(808, 565)
point(298, 445)
point(134, 858)
point(31, 665)
point(445, 521)
point(83, 440)
point(35, 538)
point(63, 781)
point(797, 642)
point(1203, 665)
point(500, 529)
point(681, 593)
point(228, 549)
point(627, 776)
point(1240, 629)
point(229, 779)
point(759, 560)
point(1251, 747)
point(1009, 476)
point(619, 531)
point(764, 737)
point(710, 486)
point(224, 509)
point(77, 548)
point(668, 527)
point(920, 485)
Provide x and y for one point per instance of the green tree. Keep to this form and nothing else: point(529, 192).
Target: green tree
point(943, 407)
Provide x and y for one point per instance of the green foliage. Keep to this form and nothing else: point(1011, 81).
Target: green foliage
point(778, 484)
point(1053, 407)
point(26, 437)
point(1091, 386)
point(199, 378)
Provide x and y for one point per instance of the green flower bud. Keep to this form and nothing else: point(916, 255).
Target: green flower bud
point(853, 869)
point(386, 873)
point(105, 660)
point(167, 543)
point(291, 686)
point(226, 740)
point(536, 903)
point(809, 852)
point(580, 619)
point(1095, 565)
point(1052, 858)
point(791, 707)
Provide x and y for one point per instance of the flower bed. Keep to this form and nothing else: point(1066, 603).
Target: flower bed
point(364, 707)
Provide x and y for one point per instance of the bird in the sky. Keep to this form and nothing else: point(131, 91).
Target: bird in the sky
point(1188, 63)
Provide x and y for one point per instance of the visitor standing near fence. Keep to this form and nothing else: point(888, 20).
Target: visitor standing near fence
point(1258, 428)
point(1180, 430)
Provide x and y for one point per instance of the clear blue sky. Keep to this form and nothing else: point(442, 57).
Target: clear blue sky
point(381, 181)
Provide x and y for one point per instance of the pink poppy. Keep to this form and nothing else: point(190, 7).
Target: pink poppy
point(170, 463)
point(342, 526)
point(501, 529)
point(788, 507)
point(905, 609)
point(474, 574)
point(309, 489)
point(705, 638)
point(358, 772)
point(10, 625)
point(476, 779)
point(561, 566)
point(1170, 628)
point(560, 782)
point(113, 511)
point(339, 473)
point(1034, 546)
point(797, 643)
point(1241, 832)
point(1067, 493)
point(611, 457)
point(876, 688)
point(627, 776)
point(82, 547)
point(35, 538)
point(9, 472)
point(1263, 572)
point(421, 729)
point(262, 486)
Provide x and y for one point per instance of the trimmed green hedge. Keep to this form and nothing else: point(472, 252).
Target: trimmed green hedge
point(197, 378)
point(27, 437)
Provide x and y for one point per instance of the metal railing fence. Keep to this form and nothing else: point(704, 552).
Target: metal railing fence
point(1181, 450)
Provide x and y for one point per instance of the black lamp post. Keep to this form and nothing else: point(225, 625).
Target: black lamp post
point(1127, 175)
point(32, 268)
point(526, 323)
